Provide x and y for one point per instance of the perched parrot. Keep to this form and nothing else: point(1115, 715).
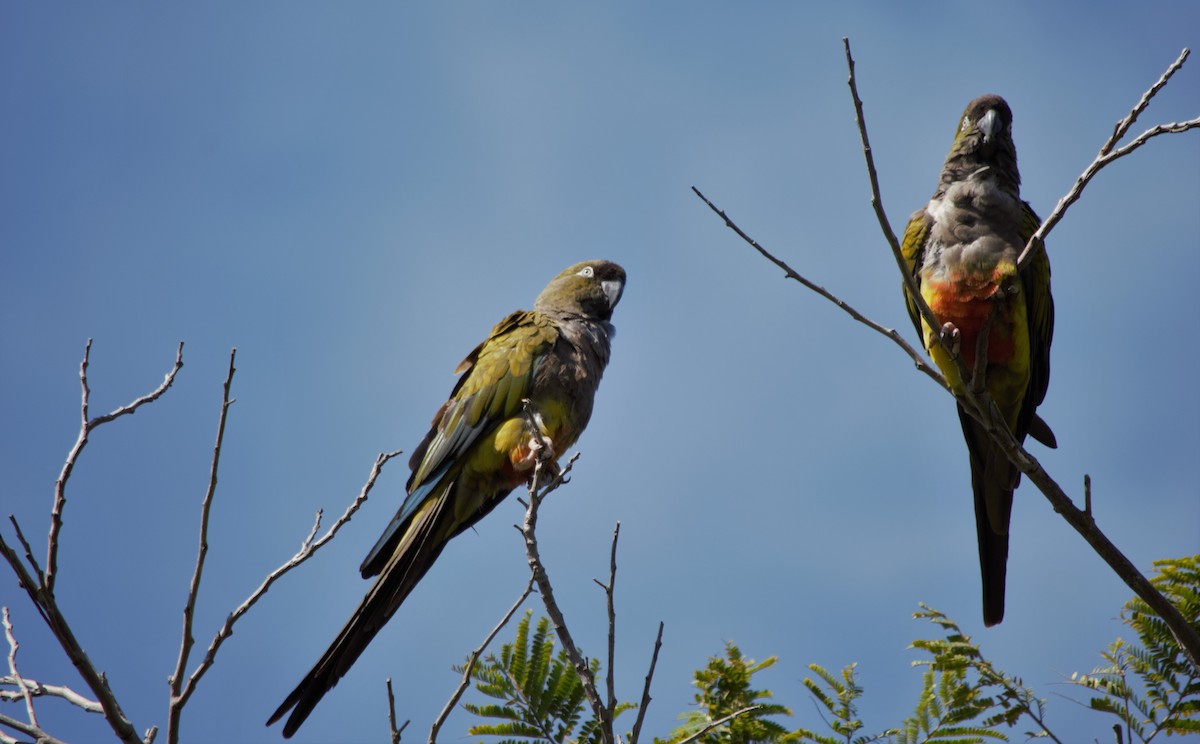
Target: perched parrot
point(480, 447)
point(962, 249)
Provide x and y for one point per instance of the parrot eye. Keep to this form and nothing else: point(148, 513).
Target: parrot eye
point(966, 123)
point(587, 271)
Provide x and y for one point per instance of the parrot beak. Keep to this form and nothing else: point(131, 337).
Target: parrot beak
point(612, 290)
point(989, 125)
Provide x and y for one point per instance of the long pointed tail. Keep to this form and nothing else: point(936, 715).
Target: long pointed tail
point(993, 479)
point(412, 558)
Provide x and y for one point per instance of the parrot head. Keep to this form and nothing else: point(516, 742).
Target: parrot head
point(984, 139)
point(590, 289)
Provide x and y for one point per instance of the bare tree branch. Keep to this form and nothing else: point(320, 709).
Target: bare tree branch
point(48, 607)
point(537, 492)
point(12, 668)
point(307, 549)
point(39, 689)
point(178, 699)
point(1107, 154)
point(393, 731)
point(40, 736)
point(718, 722)
point(891, 334)
point(85, 429)
point(472, 658)
point(40, 586)
point(637, 724)
point(612, 628)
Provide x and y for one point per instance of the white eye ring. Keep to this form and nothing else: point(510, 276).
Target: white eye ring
point(587, 271)
point(966, 122)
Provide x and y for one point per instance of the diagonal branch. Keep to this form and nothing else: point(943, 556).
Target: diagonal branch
point(61, 629)
point(40, 736)
point(637, 725)
point(910, 282)
point(471, 661)
point(1107, 154)
point(719, 722)
point(38, 689)
point(917, 358)
point(307, 549)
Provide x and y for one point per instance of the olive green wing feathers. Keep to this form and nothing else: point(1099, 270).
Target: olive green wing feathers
point(1039, 303)
point(912, 248)
point(495, 377)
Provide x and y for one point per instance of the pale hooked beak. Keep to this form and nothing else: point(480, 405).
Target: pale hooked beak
point(989, 125)
point(612, 290)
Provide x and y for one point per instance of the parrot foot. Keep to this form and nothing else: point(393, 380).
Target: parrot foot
point(950, 331)
point(539, 450)
point(540, 454)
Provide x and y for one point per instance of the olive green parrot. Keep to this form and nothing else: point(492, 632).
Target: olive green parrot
point(480, 447)
point(962, 249)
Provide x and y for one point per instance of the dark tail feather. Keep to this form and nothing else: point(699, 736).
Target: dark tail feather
point(993, 479)
point(993, 564)
point(1040, 430)
point(397, 579)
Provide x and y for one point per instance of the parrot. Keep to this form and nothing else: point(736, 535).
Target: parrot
point(962, 249)
point(480, 446)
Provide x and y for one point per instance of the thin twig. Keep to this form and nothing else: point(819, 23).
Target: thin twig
point(719, 722)
point(41, 588)
point(891, 334)
point(85, 428)
point(40, 736)
point(472, 658)
point(1087, 495)
point(637, 724)
point(307, 549)
point(528, 529)
point(13, 646)
point(612, 627)
point(61, 629)
point(38, 689)
point(910, 282)
point(178, 700)
point(1107, 154)
point(395, 732)
point(37, 570)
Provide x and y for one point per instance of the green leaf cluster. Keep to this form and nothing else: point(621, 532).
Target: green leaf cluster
point(540, 696)
point(725, 692)
point(964, 698)
point(1151, 686)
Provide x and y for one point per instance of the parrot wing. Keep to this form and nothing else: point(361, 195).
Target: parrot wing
point(495, 377)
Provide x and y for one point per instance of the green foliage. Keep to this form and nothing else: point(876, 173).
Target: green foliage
point(1152, 688)
point(541, 696)
point(964, 698)
point(839, 702)
point(725, 691)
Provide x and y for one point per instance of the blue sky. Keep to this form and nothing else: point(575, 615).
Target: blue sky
point(353, 196)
